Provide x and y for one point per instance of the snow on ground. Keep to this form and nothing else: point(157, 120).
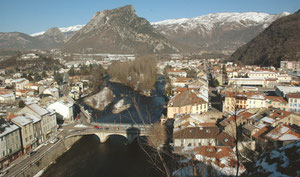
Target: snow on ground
point(40, 173)
point(80, 126)
point(119, 104)
point(101, 99)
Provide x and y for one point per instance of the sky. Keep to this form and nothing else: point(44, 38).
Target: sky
point(31, 16)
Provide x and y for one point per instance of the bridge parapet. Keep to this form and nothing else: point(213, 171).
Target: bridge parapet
point(105, 130)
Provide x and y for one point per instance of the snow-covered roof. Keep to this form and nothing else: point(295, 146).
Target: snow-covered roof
point(288, 89)
point(8, 128)
point(37, 109)
point(32, 118)
point(21, 120)
point(268, 120)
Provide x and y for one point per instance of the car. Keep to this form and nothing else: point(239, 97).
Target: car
point(3, 173)
point(32, 153)
point(53, 140)
point(97, 127)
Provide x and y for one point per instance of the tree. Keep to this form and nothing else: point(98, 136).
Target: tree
point(58, 77)
point(37, 77)
point(21, 104)
point(216, 83)
point(72, 72)
point(157, 138)
point(44, 74)
point(191, 73)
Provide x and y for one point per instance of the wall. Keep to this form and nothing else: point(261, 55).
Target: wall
point(49, 157)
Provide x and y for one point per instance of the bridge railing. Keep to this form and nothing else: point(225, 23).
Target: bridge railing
point(123, 125)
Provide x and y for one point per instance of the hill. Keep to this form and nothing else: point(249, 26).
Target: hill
point(280, 41)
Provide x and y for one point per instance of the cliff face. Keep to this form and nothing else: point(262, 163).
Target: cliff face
point(118, 31)
point(280, 41)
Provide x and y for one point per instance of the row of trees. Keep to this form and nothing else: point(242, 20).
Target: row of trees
point(140, 73)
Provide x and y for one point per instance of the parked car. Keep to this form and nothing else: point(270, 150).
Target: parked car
point(32, 153)
point(3, 173)
point(53, 140)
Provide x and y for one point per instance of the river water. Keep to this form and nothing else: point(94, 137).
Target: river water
point(147, 109)
point(114, 158)
point(90, 158)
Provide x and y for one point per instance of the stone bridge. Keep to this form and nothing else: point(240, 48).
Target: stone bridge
point(105, 130)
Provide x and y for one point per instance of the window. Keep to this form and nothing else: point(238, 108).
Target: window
point(207, 130)
point(226, 140)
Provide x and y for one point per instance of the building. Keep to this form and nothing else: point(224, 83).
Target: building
point(259, 82)
point(20, 83)
point(280, 136)
point(196, 136)
point(262, 74)
point(37, 129)
point(256, 101)
point(277, 102)
point(7, 96)
point(185, 103)
point(284, 90)
point(32, 86)
point(177, 72)
point(48, 119)
point(63, 108)
point(27, 135)
point(52, 91)
point(10, 143)
point(290, 65)
point(235, 101)
point(294, 102)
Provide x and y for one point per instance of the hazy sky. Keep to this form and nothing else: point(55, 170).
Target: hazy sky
point(30, 16)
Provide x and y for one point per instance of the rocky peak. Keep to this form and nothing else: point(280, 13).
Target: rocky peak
point(119, 30)
point(54, 32)
point(52, 37)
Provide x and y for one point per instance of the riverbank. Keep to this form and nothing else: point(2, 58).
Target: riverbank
point(48, 157)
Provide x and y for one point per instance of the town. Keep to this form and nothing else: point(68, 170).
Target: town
point(223, 112)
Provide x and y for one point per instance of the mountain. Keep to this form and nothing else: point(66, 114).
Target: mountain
point(280, 162)
point(118, 31)
point(67, 31)
point(219, 31)
point(280, 41)
point(19, 41)
point(52, 38)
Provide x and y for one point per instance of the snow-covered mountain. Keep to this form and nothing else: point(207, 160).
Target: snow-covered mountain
point(68, 30)
point(219, 31)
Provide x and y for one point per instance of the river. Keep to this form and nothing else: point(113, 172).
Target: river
point(90, 158)
point(114, 158)
point(149, 108)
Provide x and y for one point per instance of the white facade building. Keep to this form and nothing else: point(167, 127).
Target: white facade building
point(256, 101)
point(64, 108)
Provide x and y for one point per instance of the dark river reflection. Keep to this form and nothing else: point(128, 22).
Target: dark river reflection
point(88, 157)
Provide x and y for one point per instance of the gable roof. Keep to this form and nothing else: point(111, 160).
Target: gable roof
point(185, 98)
point(37, 109)
point(225, 139)
point(205, 132)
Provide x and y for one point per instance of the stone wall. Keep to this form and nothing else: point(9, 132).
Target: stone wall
point(61, 147)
